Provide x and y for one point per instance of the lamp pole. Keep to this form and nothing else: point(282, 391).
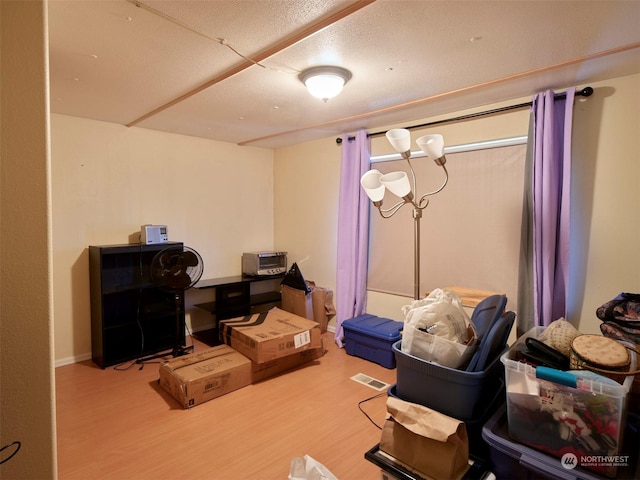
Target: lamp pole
point(417, 215)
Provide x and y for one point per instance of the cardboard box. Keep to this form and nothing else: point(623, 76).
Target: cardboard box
point(322, 303)
point(267, 336)
point(262, 371)
point(317, 305)
point(199, 377)
point(425, 440)
point(297, 302)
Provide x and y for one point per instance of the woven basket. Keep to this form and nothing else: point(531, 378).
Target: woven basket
point(602, 355)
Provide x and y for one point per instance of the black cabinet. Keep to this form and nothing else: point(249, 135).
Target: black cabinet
point(130, 316)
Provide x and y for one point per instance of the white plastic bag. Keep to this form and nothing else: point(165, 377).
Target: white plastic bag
point(307, 468)
point(438, 329)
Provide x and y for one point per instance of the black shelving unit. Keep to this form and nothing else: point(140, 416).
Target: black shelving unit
point(130, 316)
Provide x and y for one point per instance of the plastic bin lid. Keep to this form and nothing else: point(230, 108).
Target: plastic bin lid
point(374, 326)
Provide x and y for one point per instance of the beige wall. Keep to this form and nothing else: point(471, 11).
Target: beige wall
point(606, 209)
point(223, 200)
point(108, 180)
point(606, 204)
point(27, 397)
point(305, 207)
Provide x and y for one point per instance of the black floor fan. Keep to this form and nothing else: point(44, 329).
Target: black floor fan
point(176, 269)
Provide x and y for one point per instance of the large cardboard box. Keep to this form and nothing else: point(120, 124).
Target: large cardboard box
point(262, 371)
point(199, 377)
point(267, 336)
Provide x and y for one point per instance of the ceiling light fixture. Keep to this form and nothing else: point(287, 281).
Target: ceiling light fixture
point(325, 82)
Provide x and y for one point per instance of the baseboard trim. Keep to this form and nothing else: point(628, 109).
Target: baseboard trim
point(61, 362)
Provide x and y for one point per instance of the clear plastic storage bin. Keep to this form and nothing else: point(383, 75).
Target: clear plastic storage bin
point(562, 414)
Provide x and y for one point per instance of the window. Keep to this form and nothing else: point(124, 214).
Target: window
point(470, 232)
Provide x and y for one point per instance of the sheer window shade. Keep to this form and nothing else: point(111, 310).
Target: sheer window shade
point(470, 232)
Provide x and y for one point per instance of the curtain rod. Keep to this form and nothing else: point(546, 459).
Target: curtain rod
point(585, 92)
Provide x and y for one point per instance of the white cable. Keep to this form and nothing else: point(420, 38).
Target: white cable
point(222, 41)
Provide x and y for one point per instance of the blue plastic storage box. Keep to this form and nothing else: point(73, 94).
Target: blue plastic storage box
point(457, 393)
point(371, 337)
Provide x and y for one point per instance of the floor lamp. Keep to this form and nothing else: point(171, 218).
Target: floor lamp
point(375, 184)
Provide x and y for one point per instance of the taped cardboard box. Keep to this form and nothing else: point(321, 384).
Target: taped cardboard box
point(427, 441)
point(199, 377)
point(262, 371)
point(267, 336)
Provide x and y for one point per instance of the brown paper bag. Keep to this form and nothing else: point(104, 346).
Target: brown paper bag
point(425, 440)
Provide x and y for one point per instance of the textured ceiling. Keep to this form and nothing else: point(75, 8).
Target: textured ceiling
point(228, 70)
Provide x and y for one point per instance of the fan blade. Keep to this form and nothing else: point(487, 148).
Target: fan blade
point(190, 259)
point(181, 281)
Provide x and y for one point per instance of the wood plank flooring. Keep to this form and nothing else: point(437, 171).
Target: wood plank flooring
point(119, 424)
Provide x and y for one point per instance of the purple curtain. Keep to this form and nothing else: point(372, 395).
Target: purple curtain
point(353, 233)
point(553, 118)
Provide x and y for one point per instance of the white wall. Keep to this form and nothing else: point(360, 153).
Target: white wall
point(606, 208)
point(108, 180)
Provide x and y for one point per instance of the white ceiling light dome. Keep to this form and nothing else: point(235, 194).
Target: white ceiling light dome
point(325, 82)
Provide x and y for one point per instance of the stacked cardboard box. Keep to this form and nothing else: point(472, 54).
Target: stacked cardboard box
point(203, 376)
point(256, 347)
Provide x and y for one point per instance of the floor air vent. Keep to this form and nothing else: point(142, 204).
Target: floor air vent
point(370, 382)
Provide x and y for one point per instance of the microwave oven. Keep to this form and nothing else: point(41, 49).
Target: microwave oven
point(264, 263)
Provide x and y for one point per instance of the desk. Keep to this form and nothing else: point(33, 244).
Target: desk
point(238, 296)
point(235, 297)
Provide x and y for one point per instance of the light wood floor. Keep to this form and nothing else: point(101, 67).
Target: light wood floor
point(115, 424)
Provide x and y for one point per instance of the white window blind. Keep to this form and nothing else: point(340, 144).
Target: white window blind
point(470, 232)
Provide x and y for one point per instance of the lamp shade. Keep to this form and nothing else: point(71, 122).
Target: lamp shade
point(400, 139)
point(432, 145)
point(397, 183)
point(370, 182)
